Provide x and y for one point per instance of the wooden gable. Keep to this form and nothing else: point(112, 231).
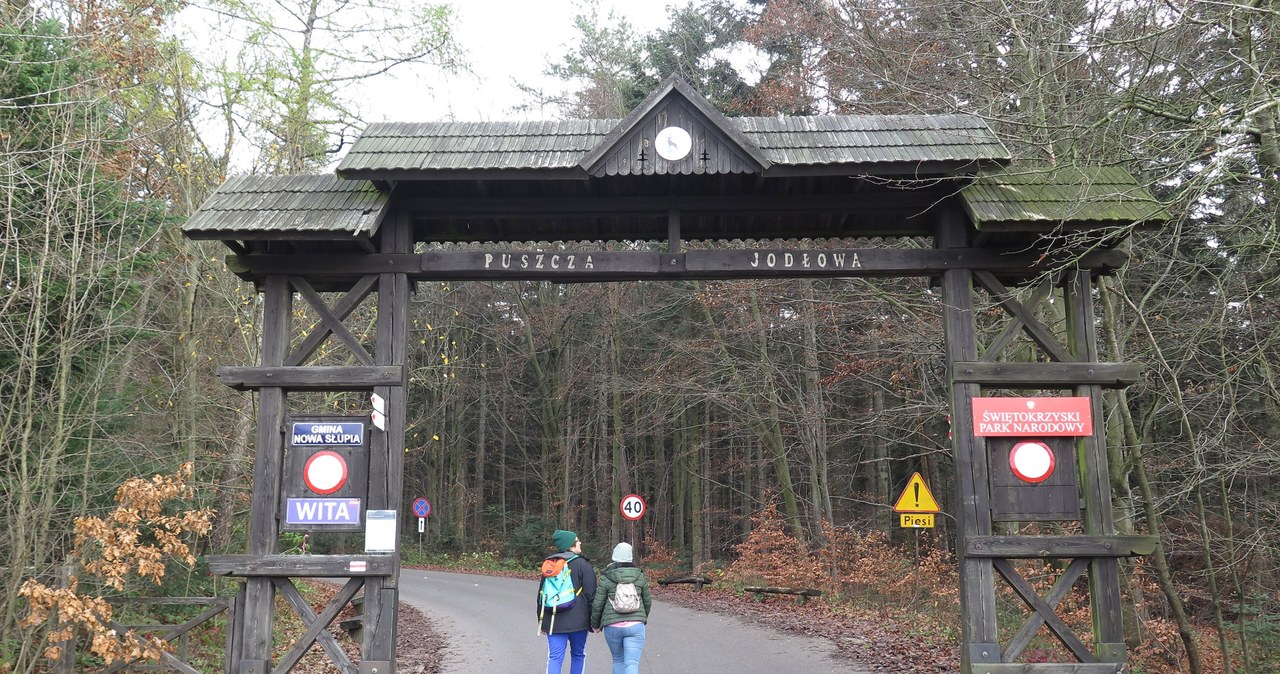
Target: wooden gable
point(718, 145)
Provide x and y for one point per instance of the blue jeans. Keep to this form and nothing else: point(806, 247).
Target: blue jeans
point(577, 643)
point(625, 643)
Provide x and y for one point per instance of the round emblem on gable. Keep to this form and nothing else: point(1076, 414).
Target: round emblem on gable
point(673, 143)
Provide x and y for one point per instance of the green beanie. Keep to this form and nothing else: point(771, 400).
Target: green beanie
point(563, 540)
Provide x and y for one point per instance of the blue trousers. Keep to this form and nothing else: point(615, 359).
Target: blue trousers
point(577, 644)
point(625, 644)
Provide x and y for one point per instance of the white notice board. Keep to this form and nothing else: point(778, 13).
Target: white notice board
point(380, 531)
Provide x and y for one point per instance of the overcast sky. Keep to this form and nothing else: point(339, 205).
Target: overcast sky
point(506, 41)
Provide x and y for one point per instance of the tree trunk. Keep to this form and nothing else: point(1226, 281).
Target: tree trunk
point(457, 473)
point(478, 496)
point(815, 416)
point(1163, 574)
point(618, 483)
point(1210, 569)
point(770, 428)
point(697, 494)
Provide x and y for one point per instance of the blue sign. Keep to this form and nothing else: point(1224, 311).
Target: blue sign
point(320, 433)
point(422, 507)
point(322, 511)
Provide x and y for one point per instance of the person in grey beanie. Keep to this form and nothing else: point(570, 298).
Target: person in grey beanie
point(621, 608)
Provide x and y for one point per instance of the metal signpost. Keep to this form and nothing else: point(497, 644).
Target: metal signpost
point(421, 508)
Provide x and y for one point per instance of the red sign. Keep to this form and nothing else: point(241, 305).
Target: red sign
point(1022, 417)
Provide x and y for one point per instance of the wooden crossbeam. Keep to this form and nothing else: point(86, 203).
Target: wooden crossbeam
point(1022, 639)
point(1046, 612)
point(170, 631)
point(1038, 332)
point(1022, 320)
point(332, 319)
point(1046, 375)
point(1049, 668)
point(642, 265)
point(312, 377)
point(316, 625)
point(1059, 547)
point(305, 566)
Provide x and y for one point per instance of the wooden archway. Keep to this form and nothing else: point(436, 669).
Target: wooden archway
point(727, 198)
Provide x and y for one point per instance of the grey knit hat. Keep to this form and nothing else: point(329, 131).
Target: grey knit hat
point(622, 552)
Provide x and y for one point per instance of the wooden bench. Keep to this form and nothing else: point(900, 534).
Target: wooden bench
point(802, 594)
point(697, 581)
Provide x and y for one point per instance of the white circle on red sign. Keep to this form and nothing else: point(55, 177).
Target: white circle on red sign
point(1032, 461)
point(325, 472)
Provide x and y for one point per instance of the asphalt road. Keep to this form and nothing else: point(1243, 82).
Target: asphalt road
point(490, 628)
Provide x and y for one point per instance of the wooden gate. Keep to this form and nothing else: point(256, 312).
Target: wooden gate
point(693, 195)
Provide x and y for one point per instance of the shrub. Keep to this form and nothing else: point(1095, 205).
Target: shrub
point(772, 556)
point(137, 539)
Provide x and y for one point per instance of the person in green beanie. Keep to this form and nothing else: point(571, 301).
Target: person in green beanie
point(621, 608)
point(566, 621)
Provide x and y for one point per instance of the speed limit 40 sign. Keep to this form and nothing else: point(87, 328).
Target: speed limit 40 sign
point(632, 507)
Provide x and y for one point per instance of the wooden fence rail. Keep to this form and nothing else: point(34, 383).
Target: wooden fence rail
point(169, 662)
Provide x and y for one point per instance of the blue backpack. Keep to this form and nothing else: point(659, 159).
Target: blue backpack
point(557, 591)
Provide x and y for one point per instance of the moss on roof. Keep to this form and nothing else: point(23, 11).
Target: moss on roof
point(1060, 196)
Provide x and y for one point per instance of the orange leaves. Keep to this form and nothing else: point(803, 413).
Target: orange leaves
point(772, 556)
point(657, 554)
point(849, 564)
point(137, 538)
point(92, 615)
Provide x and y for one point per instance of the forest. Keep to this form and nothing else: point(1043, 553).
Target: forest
point(535, 406)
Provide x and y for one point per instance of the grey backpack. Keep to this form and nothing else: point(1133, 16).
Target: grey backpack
point(625, 598)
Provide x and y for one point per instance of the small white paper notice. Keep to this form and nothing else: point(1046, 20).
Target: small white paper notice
point(380, 531)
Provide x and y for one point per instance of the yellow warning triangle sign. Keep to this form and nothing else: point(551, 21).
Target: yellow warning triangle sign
point(916, 498)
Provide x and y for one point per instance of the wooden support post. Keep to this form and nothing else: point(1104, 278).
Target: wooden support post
point(264, 528)
point(1095, 476)
point(386, 466)
point(66, 660)
point(979, 629)
point(235, 632)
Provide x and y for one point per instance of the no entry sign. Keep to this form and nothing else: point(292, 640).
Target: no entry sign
point(325, 472)
point(1031, 461)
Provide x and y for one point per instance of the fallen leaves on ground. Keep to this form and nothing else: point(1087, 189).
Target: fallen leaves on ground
point(419, 647)
point(875, 645)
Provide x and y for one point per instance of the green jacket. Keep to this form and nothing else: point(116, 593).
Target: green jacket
point(602, 612)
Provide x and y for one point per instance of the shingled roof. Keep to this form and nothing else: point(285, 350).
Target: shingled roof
point(301, 206)
point(1029, 198)
point(436, 166)
point(849, 141)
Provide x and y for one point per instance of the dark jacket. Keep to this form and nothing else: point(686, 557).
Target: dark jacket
point(602, 612)
point(578, 617)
